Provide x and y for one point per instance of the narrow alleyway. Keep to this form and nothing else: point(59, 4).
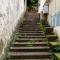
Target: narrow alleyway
point(29, 30)
point(30, 42)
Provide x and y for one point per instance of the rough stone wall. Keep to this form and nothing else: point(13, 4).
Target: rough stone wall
point(10, 13)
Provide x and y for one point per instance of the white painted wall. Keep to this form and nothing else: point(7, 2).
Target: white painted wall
point(54, 9)
point(57, 31)
point(40, 8)
point(54, 16)
point(10, 13)
point(45, 8)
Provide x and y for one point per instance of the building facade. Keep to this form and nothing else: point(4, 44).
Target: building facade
point(52, 8)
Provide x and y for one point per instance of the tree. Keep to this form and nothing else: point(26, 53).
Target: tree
point(32, 3)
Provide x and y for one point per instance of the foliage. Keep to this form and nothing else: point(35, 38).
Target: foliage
point(32, 3)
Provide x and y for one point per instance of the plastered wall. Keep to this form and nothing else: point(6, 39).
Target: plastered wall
point(11, 11)
point(54, 13)
point(54, 16)
point(41, 4)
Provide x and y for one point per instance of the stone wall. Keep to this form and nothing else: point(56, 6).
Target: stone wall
point(11, 12)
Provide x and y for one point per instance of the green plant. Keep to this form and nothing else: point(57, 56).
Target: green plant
point(32, 3)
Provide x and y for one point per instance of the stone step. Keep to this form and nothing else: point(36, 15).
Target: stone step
point(52, 37)
point(29, 59)
point(49, 30)
point(31, 27)
point(30, 42)
point(30, 49)
point(31, 31)
point(27, 26)
point(27, 55)
point(30, 23)
point(30, 36)
point(18, 44)
point(31, 39)
point(36, 40)
point(28, 33)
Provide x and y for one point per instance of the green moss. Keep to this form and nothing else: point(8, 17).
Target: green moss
point(51, 35)
point(54, 43)
point(57, 56)
point(29, 45)
point(30, 41)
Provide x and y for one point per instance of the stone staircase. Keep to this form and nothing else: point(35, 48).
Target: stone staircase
point(29, 43)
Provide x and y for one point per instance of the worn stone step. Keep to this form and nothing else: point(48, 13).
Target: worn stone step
point(30, 49)
point(31, 39)
point(31, 36)
point(30, 59)
point(30, 23)
point(18, 44)
point(27, 55)
point(31, 27)
point(35, 26)
point(31, 31)
point(52, 37)
point(17, 33)
point(27, 40)
point(49, 30)
point(30, 42)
